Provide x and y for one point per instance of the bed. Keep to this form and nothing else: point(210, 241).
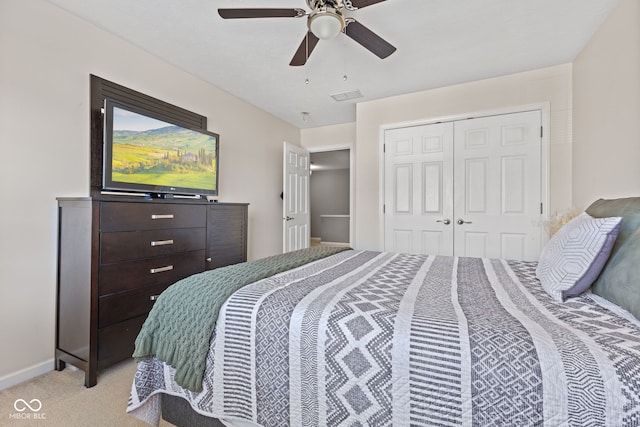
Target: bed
point(333, 337)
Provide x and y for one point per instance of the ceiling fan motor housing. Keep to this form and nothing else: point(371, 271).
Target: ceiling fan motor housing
point(326, 21)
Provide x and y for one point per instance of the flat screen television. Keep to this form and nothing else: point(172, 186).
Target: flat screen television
point(146, 154)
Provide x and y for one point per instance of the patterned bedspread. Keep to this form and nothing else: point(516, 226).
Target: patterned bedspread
point(378, 339)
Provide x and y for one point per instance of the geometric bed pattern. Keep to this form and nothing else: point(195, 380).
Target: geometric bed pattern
point(380, 339)
point(573, 258)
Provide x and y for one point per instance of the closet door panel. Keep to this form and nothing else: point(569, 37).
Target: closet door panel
point(418, 189)
point(498, 186)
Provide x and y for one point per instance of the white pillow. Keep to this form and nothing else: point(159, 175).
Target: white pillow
point(573, 258)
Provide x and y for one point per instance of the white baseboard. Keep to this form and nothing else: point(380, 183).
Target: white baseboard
point(26, 374)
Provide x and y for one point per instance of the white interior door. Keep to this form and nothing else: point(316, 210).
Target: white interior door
point(497, 186)
point(419, 189)
point(465, 188)
point(295, 207)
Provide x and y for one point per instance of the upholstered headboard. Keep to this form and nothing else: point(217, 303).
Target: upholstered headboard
point(619, 281)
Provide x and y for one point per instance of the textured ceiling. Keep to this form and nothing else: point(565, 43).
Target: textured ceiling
point(439, 43)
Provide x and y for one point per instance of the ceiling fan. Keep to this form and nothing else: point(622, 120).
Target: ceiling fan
point(325, 21)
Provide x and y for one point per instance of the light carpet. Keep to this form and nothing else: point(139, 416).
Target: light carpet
point(65, 401)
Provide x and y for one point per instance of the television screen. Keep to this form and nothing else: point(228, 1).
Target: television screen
point(144, 153)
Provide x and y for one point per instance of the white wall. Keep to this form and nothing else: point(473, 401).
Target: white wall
point(46, 56)
point(551, 85)
point(329, 136)
point(606, 105)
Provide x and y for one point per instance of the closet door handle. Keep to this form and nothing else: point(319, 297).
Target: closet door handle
point(444, 221)
point(461, 221)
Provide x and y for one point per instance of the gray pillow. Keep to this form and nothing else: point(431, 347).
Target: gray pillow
point(619, 281)
point(575, 255)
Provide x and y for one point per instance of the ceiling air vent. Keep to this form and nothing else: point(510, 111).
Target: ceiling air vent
point(345, 96)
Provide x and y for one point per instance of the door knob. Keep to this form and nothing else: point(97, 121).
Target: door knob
point(445, 221)
point(461, 221)
point(288, 218)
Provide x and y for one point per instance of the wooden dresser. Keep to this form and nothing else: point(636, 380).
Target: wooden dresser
point(115, 257)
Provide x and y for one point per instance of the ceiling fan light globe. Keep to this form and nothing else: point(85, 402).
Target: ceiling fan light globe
point(326, 25)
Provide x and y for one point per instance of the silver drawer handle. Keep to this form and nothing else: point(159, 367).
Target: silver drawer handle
point(161, 269)
point(167, 216)
point(161, 242)
point(154, 297)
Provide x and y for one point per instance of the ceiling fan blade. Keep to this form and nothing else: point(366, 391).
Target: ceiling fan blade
point(364, 3)
point(261, 13)
point(309, 42)
point(370, 40)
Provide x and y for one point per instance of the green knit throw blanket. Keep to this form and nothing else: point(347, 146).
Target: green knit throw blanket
point(179, 327)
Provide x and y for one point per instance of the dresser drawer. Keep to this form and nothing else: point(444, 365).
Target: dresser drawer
point(117, 342)
point(126, 276)
point(121, 216)
point(118, 307)
point(129, 245)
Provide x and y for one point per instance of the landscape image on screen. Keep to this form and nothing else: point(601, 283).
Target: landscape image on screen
point(152, 152)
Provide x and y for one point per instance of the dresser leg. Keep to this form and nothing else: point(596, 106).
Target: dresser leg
point(60, 364)
point(90, 377)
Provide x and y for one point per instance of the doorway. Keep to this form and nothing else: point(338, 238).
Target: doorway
point(330, 196)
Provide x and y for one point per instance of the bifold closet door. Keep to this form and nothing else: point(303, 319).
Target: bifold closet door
point(419, 189)
point(465, 188)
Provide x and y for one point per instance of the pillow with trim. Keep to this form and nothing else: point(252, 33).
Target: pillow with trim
point(574, 257)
